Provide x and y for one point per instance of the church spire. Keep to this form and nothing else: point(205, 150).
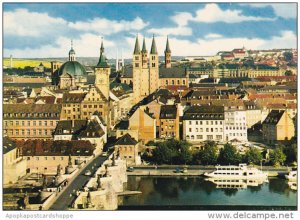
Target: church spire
point(137, 46)
point(167, 46)
point(153, 46)
point(144, 50)
point(72, 53)
point(168, 58)
point(102, 59)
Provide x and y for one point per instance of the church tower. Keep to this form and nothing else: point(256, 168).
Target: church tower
point(144, 55)
point(102, 71)
point(72, 56)
point(136, 71)
point(153, 68)
point(167, 55)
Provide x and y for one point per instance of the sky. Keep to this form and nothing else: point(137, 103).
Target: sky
point(42, 30)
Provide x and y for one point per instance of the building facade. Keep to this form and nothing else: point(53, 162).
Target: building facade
point(201, 123)
point(30, 121)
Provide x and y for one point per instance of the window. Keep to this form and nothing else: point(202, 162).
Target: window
point(206, 122)
point(190, 129)
point(45, 123)
point(183, 82)
point(136, 65)
point(173, 82)
point(23, 123)
point(190, 122)
point(207, 129)
point(28, 123)
point(199, 136)
point(17, 122)
point(209, 137)
point(211, 129)
point(153, 64)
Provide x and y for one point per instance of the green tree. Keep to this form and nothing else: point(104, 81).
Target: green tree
point(291, 153)
point(162, 154)
point(288, 73)
point(253, 156)
point(229, 155)
point(209, 154)
point(277, 157)
point(288, 56)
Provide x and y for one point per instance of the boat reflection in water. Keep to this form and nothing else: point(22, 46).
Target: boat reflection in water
point(223, 183)
point(293, 185)
point(292, 179)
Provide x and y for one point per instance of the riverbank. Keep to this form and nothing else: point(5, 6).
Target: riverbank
point(173, 170)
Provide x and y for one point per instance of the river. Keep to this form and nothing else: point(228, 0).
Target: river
point(196, 193)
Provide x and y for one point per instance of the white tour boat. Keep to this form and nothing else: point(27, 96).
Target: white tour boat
point(242, 171)
point(292, 176)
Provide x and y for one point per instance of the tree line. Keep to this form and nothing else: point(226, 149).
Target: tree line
point(178, 152)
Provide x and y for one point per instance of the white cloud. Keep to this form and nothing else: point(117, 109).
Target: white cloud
point(182, 18)
point(213, 13)
point(88, 45)
point(21, 22)
point(180, 31)
point(212, 35)
point(285, 10)
point(104, 26)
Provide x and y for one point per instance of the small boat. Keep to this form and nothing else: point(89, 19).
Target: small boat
point(292, 176)
point(242, 171)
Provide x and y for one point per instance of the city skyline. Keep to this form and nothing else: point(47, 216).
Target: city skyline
point(32, 31)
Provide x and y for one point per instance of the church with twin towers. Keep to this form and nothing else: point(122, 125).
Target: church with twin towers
point(148, 75)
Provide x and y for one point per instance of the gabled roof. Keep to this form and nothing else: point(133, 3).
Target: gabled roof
point(71, 127)
point(173, 72)
point(73, 97)
point(168, 112)
point(8, 145)
point(126, 140)
point(127, 72)
point(122, 125)
point(273, 117)
point(92, 130)
point(204, 113)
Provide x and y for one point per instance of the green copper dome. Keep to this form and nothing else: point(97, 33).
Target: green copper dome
point(73, 68)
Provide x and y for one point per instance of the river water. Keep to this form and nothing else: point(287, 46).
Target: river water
point(198, 193)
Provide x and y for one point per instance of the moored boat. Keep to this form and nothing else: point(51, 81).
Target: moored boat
point(242, 171)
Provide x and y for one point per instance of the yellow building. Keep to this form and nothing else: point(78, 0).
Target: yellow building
point(278, 126)
point(71, 106)
point(169, 122)
point(128, 149)
point(44, 156)
point(14, 167)
point(94, 101)
point(30, 121)
point(141, 126)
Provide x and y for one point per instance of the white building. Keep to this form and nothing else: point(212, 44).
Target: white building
point(235, 127)
point(201, 123)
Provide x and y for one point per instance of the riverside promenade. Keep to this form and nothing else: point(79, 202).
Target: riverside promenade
point(193, 170)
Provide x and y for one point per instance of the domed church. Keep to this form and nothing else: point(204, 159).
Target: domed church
point(71, 74)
